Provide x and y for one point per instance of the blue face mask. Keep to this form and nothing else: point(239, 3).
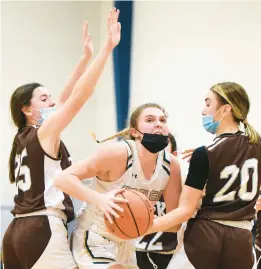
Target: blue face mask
point(209, 124)
point(45, 113)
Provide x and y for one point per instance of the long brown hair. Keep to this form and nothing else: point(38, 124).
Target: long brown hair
point(21, 97)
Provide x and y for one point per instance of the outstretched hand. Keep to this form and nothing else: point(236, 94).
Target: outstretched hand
point(113, 29)
point(87, 41)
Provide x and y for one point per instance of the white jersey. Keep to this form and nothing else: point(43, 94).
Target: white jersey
point(34, 174)
point(133, 178)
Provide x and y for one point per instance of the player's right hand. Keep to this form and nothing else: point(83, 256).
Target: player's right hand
point(187, 154)
point(108, 204)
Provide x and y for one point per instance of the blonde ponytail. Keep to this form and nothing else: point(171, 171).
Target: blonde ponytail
point(254, 136)
point(124, 133)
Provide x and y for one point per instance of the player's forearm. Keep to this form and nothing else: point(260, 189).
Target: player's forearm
point(73, 186)
point(77, 72)
point(84, 87)
point(173, 229)
point(170, 220)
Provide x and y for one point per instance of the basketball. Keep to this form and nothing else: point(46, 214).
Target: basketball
point(136, 218)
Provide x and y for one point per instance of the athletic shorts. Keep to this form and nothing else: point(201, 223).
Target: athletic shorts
point(211, 245)
point(93, 251)
point(37, 242)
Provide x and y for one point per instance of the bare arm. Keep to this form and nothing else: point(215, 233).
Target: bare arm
point(173, 189)
point(100, 163)
point(53, 126)
point(81, 65)
point(191, 192)
point(187, 205)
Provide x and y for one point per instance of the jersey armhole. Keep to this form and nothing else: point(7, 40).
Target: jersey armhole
point(130, 155)
point(45, 153)
point(166, 162)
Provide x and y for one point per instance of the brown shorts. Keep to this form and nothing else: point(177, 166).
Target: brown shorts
point(37, 242)
point(210, 245)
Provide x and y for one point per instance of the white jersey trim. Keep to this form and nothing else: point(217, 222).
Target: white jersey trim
point(217, 143)
point(53, 197)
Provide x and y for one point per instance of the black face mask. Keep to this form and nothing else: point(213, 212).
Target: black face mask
point(154, 142)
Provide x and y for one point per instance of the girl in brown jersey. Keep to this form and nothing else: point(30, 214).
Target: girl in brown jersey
point(37, 237)
point(230, 172)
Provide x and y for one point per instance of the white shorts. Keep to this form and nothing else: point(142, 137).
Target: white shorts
point(57, 253)
point(93, 251)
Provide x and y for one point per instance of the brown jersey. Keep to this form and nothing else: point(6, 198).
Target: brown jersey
point(233, 178)
point(34, 174)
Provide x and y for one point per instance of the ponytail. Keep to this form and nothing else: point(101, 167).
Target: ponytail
point(124, 133)
point(254, 136)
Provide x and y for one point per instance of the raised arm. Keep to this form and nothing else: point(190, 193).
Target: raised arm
point(81, 65)
point(55, 124)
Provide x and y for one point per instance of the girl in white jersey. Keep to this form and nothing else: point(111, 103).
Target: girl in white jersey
point(139, 163)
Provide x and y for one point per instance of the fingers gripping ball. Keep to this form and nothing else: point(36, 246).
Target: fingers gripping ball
point(136, 218)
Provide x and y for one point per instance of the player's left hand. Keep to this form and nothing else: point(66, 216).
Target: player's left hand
point(108, 203)
point(113, 29)
point(87, 41)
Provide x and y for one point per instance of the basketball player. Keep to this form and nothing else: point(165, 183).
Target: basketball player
point(37, 237)
point(230, 169)
point(156, 250)
point(140, 163)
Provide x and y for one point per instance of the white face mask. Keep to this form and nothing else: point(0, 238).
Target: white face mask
point(45, 113)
